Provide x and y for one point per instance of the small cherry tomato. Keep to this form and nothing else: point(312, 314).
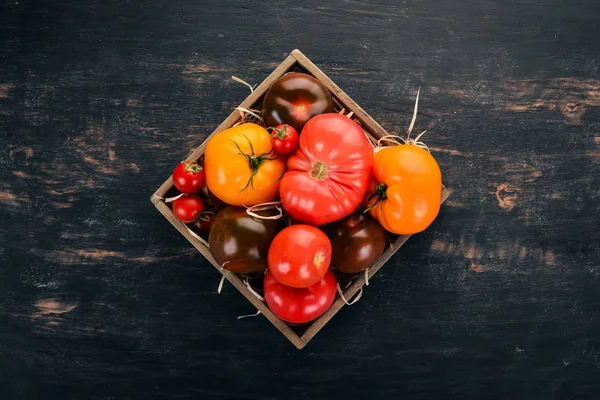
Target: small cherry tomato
point(204, 221)
point(298, 306)
point(284, 139)
point(188, 208)
point(299, 256)
point(188, 177)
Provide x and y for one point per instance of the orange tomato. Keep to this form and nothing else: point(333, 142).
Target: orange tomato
point(406, 190)
point(241, 167)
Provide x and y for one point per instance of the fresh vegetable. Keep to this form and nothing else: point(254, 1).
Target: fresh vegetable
point(294, 99)
point(329, 173)
point(284, 139)
point(240, 242)
point(188, 207)
point(298, 306)
point(203, 223)
point(299, 256)
point(357, 242)
point(405, 194)
point(188, 177)
point(242, 169)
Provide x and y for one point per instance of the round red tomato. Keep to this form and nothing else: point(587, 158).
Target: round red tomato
point(299, 256)
point(188, 208)
point(188, 177)
point(298, 306)
point(284, 139)
point(329, 173)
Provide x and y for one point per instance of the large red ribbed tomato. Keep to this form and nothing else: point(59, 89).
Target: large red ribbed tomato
point(328, 175)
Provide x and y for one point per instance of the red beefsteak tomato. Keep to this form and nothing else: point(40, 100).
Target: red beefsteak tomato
point(328, 175)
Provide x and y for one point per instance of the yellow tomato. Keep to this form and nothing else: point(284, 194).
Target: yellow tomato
point(241, 167)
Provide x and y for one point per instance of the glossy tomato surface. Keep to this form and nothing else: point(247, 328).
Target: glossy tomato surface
point(357, 241)
point(241, 167)
point(284, 139)
point(295, 98)
point(406, 190)
point(299, 306)
point(188, 177)
point(300, 255)
point(328, 175)
point(188, 208)
point(240, 242)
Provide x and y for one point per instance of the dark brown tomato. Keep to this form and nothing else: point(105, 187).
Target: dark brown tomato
point(295, 98)
point(357, 241)
point(240, 242)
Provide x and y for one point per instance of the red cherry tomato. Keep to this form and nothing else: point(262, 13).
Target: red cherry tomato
point(299, 256)
point(204, 221)
point(188, 208)
point(284, 139)
point(298, 306)
point(188, 177)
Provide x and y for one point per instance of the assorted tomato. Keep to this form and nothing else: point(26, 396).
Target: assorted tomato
point(188, 208)
point(299, 256)
point(242, 169)
point(188, 177)
point(284, 139)
point(240, 242)
point(299, 306)
point(328, 176)
point(406, 190)
point(294, 99)
point(311, 197)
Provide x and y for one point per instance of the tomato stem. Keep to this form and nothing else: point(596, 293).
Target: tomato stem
point(319, 170)
point(380, 194)
point(255, 161)
point(192, 166)
point(281, 133)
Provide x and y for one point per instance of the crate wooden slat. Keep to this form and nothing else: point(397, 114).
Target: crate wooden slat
point(371, 127)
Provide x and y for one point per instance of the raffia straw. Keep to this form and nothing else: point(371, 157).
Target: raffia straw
point(170, 199)
point(251, 289)
point(221, 282)
point(197, 237)
point(342, 111)
point(235, 78)
point(339, 289)
point(251, 112)
point(250, 315)
point(263, 207)
point(350, 114)
point(367, 276)
point(414, 118)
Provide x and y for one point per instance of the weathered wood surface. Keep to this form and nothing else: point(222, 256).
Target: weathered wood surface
point(101, 298)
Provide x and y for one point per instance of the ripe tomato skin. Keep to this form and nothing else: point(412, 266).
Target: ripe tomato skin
point(328, 175)
point(241, 167)
point(188, 207)
point(188, 177)
point(294, 99)
point(357, 241)
point(299, 306)
point(240, 242)
point(299, 256)
point(284, 139)
point(407, 181)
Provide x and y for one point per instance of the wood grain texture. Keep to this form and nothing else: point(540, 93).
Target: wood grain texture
point(100, 300)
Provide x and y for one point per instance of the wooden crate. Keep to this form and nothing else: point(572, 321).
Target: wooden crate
point(296, 60)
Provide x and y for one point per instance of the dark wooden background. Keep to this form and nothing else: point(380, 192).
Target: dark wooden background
point(100, 298)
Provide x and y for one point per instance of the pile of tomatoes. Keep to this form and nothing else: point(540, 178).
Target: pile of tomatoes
point(304, 197)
